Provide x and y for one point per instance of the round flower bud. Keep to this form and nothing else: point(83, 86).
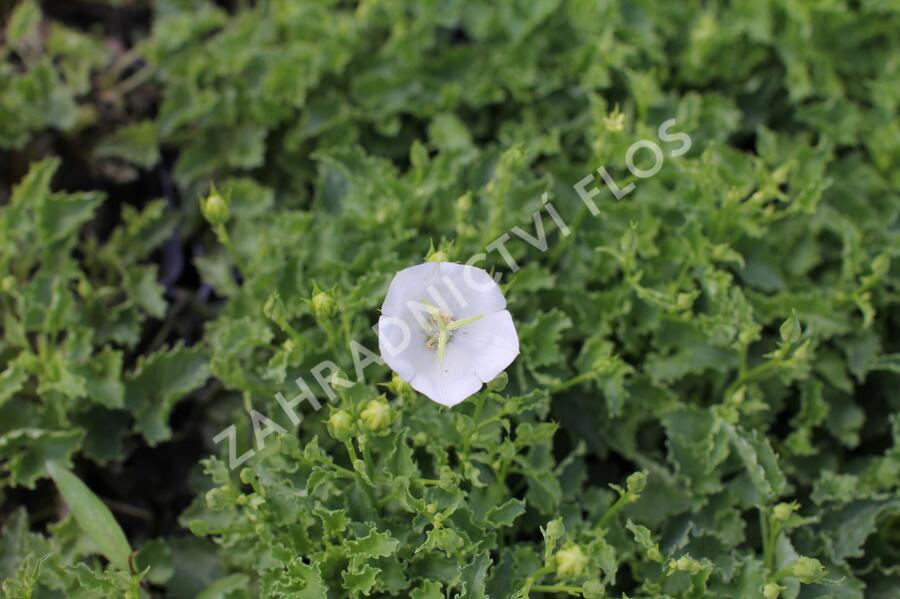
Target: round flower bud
point(635, 484)
point(555, 529)
point(8, 283)
point(772, 590)
point(323, 304)
point(398, 386)
point(436, 255)
point(808, 569)
point(570, 562)
point(464, 202)
point(376, 416)
point(593, 589)
point(654, 554)
point(685, 563)
point(783, 511)
point(340, 425)
point(498, 383)
point(215, 208)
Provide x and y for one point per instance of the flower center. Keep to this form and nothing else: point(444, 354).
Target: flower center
point(441, 327)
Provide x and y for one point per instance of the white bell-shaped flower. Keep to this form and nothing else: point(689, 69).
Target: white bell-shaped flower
point(445, 330)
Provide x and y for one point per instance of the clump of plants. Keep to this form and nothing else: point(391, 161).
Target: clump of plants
point(691, 212)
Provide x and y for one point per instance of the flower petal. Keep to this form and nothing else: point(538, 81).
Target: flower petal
point(402, 345)
point(459, 289)
point(493, 342)
point(409, 285)
point(448, 382)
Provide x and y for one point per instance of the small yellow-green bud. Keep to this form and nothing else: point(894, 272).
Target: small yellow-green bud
point(614, 121)
point(215, 208)
point(628, 240)
point(593, 589)
point(498, 383)
point(683, 301)
point(84, 287)
point(880, 265)
point(464, 202)
point(8, 283)
point(436, 255)
point(685, 563)
point(783, 511)
point(772, 590)
point(398, 386)
point(340, 425)
point(808, 569)
point(790, 329)
point(555, 529)
point(247, 475)
point(570, 562)
point(635, 484)
point(323, 304)
point(420, 439)
point(376, 416)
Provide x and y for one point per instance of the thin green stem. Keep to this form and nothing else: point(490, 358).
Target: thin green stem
point(575, 380)
point(621, 502)
point(532, 579)
point(225, 239)
point(558, 588)
point(753, 374)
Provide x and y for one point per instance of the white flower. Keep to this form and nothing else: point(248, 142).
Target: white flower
point(445, 330)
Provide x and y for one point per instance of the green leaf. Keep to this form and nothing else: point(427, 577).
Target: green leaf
point(23, 22)
point(760, 461)
point(158, 382)
point(92, 516)
point(506, 513)
point(136, 143)
point(474, 577)
point(60, 216)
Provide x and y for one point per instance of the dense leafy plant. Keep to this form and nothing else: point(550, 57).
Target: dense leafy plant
point(704, 402)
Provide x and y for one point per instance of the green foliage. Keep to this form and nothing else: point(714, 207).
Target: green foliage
point(704, 403)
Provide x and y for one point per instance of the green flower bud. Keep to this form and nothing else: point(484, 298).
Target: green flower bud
point(376, 416)
point(808, 569)
point(628, 240)
point(791, 330)
point(436, 255)
point(464, 202)
point(322, 302)
point(772, 590)
point(340, 425)
point(555, 529)
point(685, 563)
point(398, 386)
point(635, 484)
point(420, 439)
point(498, 383)
point(593, 589)
point(247, 475)
point(215, 208)
point(8, 283)
point(614, 121)
point(783, 511)
point(570, 562)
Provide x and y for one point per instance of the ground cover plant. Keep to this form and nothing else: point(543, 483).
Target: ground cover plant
point(693, 212)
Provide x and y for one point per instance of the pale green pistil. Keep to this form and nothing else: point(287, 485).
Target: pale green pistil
point(440, 329)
